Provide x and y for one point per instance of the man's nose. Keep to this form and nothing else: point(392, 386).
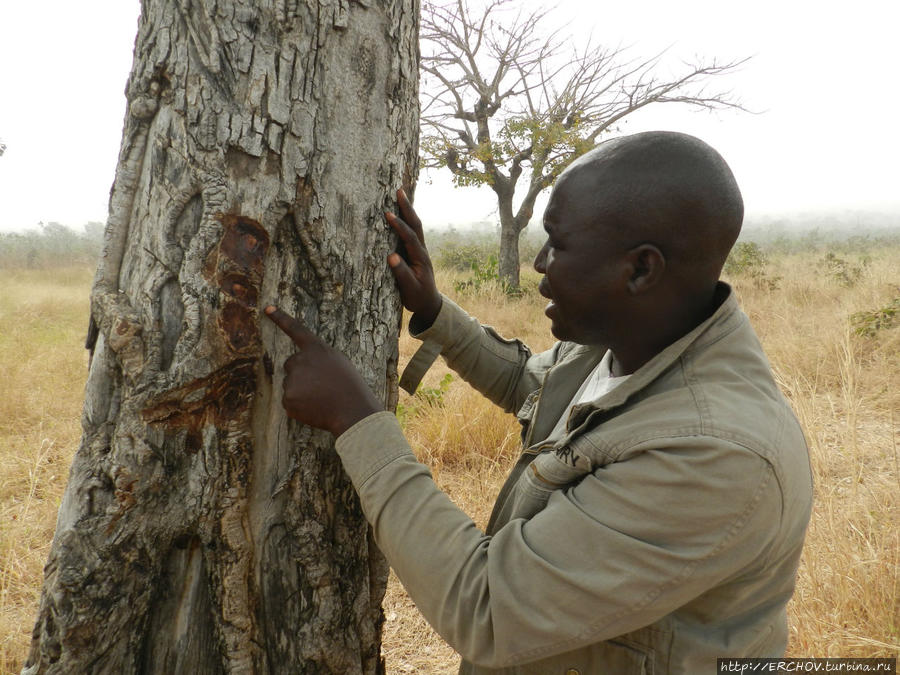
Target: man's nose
point(540, 260)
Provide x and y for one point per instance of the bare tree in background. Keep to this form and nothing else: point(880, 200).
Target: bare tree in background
point(503, 95)
point(201, 531)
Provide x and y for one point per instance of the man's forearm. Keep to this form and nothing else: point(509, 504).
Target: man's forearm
point(494, 366)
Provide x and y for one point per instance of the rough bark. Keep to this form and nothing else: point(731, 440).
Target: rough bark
point(201, 531)
point(508, 260)
point(508, 268)
point(512, 224)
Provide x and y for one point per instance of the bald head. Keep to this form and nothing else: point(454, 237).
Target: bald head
point(637, 232)
point(664, 188)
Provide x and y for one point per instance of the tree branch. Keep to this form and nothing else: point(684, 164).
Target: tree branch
point(498, 92)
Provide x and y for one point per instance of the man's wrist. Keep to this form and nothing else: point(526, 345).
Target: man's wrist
point(351, 415)
point(425, 318)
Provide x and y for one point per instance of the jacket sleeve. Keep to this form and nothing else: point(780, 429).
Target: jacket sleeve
point(626, 546)
point(505, 371)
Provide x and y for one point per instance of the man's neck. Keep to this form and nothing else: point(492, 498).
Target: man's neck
point(645, 339)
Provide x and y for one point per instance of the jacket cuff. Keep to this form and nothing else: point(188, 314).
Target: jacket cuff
point(418, 365)
point(430, 348)
point(434, 338)
point(441, 330)
point(370, 445)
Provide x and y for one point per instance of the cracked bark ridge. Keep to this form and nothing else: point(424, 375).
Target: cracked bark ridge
point(201, 531)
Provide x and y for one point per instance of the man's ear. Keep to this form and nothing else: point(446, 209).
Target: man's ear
point(648, 267)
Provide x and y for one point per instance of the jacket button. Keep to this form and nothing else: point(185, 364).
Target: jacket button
point(572, 671)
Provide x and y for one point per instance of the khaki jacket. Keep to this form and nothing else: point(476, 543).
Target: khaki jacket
point(662, 531)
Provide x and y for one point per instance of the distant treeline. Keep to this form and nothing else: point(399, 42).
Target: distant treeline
point(465, 249)
point(838, 231)
point(55, 245)
point(52, 245)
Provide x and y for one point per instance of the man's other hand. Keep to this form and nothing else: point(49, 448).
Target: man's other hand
point(321, 386)
point(413, 272)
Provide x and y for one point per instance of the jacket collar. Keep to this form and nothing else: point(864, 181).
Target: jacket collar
point(564, 379)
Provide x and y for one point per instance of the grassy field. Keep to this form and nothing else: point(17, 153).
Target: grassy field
point(841, 376)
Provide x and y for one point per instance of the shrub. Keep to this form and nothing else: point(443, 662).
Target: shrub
point(747, 260)
point(842, 271)
point(460, 251)
point(460, 257)
point(869, 323)
point(484, 274)
point(425, 397)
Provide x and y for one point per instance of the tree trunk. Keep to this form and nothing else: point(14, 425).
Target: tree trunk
point(509, 243)
point(201, 531)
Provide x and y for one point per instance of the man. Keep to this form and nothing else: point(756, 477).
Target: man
point(655, 519)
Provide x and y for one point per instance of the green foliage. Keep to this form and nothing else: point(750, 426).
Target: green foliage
point(438, 151)
point(842, 271)
point(563, 141)
point(870, 323)
point(475, 251)
point(461, 251)
point(54, 245)
point(434, 396)
point(472, 178)
point(747, 261)
point(425, 397)
point(484, 274)
point(554, 145)
point(461, 256)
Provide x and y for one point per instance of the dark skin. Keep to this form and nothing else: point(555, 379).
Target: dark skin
point(607, 287)
point(606, 271)
point(321, 386)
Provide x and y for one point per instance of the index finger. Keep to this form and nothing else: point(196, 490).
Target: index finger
point(409, 215)
point(408, 236)
point(291, 326)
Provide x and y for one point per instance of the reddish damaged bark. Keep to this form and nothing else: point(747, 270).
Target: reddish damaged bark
point(236, 268)
point(222, 400)
point(244, 244)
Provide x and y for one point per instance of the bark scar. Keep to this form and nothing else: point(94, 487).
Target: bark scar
point(235, 267)
point(222, 399)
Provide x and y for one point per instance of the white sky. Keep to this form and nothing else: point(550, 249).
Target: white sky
point(824, 72)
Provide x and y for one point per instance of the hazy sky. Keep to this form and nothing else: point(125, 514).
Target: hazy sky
point(823, 73)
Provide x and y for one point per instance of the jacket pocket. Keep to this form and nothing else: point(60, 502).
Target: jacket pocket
point(624, 659)
point(530, 493)
point(604, 658)
point(526, 412)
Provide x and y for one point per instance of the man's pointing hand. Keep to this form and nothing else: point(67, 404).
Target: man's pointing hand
point(321, 386)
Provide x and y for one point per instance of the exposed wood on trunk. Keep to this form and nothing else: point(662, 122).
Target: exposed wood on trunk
point(201, 531)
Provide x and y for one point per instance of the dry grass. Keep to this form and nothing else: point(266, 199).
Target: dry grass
point(843, 387)
point(43, 363)
point(846, 391)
